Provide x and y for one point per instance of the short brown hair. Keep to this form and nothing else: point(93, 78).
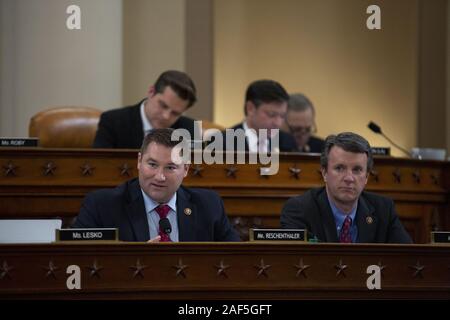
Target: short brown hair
point(265, 91)
point(159, 136)
point(350, 142)
point(180, 82)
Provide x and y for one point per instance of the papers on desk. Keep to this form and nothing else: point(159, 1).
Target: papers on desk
point(29, 231)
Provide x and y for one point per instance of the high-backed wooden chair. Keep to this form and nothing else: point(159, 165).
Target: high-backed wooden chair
point(65, 127)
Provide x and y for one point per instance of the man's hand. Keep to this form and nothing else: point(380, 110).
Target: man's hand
point(155, 239)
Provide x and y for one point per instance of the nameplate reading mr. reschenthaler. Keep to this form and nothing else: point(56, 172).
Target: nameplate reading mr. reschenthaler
point(278, 235)
point(440, 237)
point(103, 234)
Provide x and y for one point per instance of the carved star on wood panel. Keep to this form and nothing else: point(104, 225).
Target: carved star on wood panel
point(221, 269)
point(262, 269)
point(94, 269)
point(231, 172)
point(295, 172)
point(197, 171)
point(10, 169)
point(138, 269)
point(416, 176)
point(51, 270)
point(5, 269)
point(434, 178)
point(340, 267)
point(301, 268)
point(87, 169)
point(418, 268)
point(49, 169)
point(374, 174)
point(397, 176)
point(180, 267)
point(125, 170)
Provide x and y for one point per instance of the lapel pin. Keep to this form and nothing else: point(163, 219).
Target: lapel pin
point(369, 220)
point(187, 211)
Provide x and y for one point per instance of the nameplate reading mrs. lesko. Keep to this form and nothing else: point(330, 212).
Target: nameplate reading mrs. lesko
point(440, 237)
point(102, 234)
point(278, 235)
point(19, 142)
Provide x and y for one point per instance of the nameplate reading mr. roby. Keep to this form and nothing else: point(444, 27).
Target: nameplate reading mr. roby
point(103, 234)
point(19, 142)
point(278, 235)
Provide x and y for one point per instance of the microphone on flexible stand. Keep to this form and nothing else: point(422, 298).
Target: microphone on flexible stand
point(376, 128)
point(164, 225)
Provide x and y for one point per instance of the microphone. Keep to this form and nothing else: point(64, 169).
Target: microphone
point(376, 128)
point(164, 225)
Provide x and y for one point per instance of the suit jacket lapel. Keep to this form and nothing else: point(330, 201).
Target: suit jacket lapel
point(186, 222)
point(365, 221)
point(327, 218)
point(135, 210)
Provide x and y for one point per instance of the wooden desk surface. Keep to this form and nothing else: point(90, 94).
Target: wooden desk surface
point(223, 271)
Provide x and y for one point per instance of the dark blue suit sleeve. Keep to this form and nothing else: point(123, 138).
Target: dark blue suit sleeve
point(292, 216)
point(88, 216)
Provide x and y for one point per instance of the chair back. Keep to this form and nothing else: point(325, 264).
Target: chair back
point(65, 127)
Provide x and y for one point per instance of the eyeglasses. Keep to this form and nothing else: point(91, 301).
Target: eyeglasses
point(301, 130)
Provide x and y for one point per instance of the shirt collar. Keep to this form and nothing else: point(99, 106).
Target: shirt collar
point(252, 137)
point(340, 216)
point(146, 125)
point(151, 204)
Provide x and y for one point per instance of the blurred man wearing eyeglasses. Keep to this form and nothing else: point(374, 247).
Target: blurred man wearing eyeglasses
point(265, 109)
point(300, 122)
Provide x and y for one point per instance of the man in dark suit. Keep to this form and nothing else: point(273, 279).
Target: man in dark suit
point(171, 95)
point(300, 122)
point(265, 109)
point(137, 206)
point(342, 211)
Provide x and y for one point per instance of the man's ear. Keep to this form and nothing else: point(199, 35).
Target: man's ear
point(367, 178)
point(250, 107)
point(186, 170)
point(324, 173)
point(151, 91)
point(139, 160)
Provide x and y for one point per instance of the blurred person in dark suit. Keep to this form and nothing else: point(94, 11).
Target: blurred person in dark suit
point(171, 95)
point(265, 107)
point(300, 122)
